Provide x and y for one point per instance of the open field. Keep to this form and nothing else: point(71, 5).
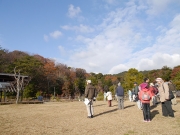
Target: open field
point(70, 118)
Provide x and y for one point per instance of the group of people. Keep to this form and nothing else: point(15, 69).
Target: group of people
point(145, 92)
point(142, 94)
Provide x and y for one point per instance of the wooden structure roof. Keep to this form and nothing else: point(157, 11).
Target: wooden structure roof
point(8, 81)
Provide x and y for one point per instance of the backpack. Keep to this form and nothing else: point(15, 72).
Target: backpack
point(145, 96)
point(155, 90)
point(171, 87)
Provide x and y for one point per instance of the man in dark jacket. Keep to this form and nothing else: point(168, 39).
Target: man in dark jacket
point(90, 94)
point(120, 96)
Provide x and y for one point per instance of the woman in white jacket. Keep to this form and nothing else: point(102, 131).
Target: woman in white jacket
point(109, 98)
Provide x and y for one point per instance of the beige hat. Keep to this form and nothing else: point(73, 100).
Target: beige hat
point(158, 79)
point(151, 84)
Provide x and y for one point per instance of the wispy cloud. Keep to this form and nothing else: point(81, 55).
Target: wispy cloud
point(56, 34)
point(158, 6)
point(73, 11)
point(46, 38)
point(81, 28)
point(125, 41)
point(62, 50)
point(111, 1)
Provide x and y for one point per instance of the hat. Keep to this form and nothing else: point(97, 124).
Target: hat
point(135, 82)
point(88, 81)
point(143, 85)
point(158, 79)
point(151, 84)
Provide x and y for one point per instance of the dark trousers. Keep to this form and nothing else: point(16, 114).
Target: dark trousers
point(109, 103)
point(167, 109)
point(146, 111)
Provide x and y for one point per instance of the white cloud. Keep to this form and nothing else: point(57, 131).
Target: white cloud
point(124, 41)
point(73, 11)
point(118, 68)
point(56, 34)
point(81, 28)
point(46, 38)
point(157, 6)
point(165, 51)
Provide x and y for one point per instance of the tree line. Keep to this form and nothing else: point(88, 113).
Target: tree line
point(48, 77)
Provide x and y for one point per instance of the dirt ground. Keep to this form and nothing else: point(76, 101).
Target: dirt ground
point(70, 118)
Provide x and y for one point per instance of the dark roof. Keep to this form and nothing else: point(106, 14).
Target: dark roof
point(6, 74)
point(4, 77)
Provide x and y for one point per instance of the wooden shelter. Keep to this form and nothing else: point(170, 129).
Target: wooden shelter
point(8, 83)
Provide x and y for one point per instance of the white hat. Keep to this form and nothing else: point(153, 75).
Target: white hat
point(151, 84)
point(158, 79)
point(88, 81)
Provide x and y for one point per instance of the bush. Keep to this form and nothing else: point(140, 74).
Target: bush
point(100, 96)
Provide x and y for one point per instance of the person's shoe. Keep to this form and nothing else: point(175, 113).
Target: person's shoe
point(145, 121)
point(149, 121)
point(88, 116)
point(171, 116)
point(92, 116)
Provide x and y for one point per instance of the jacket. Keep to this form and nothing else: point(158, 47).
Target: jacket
point(90, 91)
point(136, 90)
point(141, 95)
point(164, 93)
point(119, 91)
point(109, 95)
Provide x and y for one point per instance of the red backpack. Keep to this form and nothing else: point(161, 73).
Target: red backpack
point(145, 96)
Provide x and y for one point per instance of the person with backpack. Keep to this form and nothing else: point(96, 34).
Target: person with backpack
point(145, 97)
point(164, 98)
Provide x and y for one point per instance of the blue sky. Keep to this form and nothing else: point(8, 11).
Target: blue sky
point(101, 36)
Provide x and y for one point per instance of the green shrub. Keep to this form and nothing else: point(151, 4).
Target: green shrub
point(100, 96)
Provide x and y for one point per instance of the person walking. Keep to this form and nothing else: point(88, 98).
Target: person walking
point(164, 98)
point(130, 95)
point(120, 96)
point(89, 95)
point(145, 97)
point(109, 98)
point(136, 92)
point(105, 95)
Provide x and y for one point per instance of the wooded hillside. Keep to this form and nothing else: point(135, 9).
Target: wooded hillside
point(48, 76)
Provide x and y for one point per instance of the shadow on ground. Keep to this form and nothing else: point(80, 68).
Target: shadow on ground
point(106, 112)
point(128, 106)
point(99, 105)
point(154, 113)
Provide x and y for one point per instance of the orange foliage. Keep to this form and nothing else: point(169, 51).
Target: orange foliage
point(49, 67)
point(175, 71)
point(112, 78)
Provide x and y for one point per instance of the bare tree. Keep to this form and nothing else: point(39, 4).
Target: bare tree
point(19, 83)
